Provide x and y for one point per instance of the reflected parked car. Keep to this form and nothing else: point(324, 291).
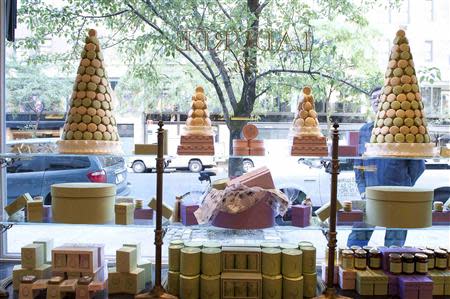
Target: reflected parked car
point(36, 174)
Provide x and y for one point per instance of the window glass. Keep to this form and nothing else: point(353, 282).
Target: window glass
point(22, 165)
point(67, 162)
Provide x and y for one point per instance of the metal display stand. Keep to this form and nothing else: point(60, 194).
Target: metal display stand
point(158, 290)
point(330, 291)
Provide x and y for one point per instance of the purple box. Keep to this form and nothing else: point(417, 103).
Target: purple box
point(353, 138)
point(187, 213)
point(386, 251)
point(349, 218)
point(415, 287)
point(392, 283)
point(301, 215)
point(441, 218)
point(47, 217)
point(143, 216)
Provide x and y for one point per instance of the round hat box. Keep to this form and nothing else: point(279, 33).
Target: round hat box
point(399, 207)
point(83, 203)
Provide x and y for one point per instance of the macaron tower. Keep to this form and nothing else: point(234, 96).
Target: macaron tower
point(197, 138)
point(308, 140)
point(90, 126)
point(400, 128)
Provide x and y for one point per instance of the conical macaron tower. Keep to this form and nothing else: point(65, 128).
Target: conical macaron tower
point(400, 128)
point(90, 125)
point(307, 140)
point(197, 138)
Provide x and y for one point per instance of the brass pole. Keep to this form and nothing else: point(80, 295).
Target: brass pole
point(330, 292)
point(158, 290)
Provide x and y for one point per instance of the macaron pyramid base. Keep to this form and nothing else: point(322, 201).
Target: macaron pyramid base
point(98, 147)
point(406, 150)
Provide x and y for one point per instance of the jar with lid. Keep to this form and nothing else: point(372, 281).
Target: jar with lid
point(367, 248)
point(441, 259)
point(360, 259)
point(421, 260)
point(348, 259)
point(374, 259)
point(340, 251)
point(395, 263)
point(431, 258)
point(407, 263)
point(355, 247)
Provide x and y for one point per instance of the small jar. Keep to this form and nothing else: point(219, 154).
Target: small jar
point(367, 248)
point(431, 258)
point(360, 259)
point(340, 250)
point(347, 206)
point(348, 259)
point(374, 259)
point(395, 263)
point(407, 263)
point(438, 206)
point(138, 204)
point(421, 261)
point(441, 259)
point(355, 247)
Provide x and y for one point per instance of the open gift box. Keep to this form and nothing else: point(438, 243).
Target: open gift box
point(259, 216)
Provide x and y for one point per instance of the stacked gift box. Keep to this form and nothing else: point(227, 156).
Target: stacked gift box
point(270, 271)
point(33, 262)
point(131, 273)
point(406, 286)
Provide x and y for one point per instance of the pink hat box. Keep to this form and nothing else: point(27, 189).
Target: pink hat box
point(260, 216)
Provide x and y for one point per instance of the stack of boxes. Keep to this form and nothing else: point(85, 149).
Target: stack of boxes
point(241, 273)
point(348, 215)
point(381, 282)
point(32, 264)
point(126, 277)
point(268, 271)
point(249, 145)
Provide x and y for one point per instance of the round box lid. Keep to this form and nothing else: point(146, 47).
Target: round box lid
point(250, 131)
point(83, 190)
point(399, 193)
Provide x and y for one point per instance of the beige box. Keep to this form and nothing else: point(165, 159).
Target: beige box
point(252, 279)
point(399, 207)
point(115, 282)
point(88, 260)
point(68, 285)
point(35, 211)
point(138, 249)
point(126, 259)
point(73, 260)
point(134, 281)
point(124, 213)
point(73, 275)
point(42, 272)
point(253, 259)
point(48, 246)
point(32, 256)
point(166, 210)
point(323, 213)
point(146, 264)
point(18, 204)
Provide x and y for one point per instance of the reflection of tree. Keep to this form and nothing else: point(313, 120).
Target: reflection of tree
point(29, 89)
point(334, 56)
